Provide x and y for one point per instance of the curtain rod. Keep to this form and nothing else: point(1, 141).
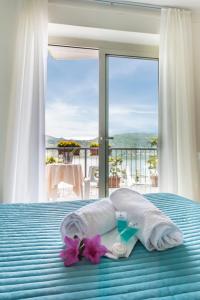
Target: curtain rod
point(130, 3)
point(126, 3)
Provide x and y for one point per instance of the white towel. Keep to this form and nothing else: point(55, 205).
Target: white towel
point(112, 237)
point(92, 219)
point(96, 218)
point(156, 230)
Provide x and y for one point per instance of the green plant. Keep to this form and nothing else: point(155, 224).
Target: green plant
point(153, 161)
point(94, 148)
point(94, 145)
point(71, 145)
point(115, 163)
point(68, 144)
point(50, 160)
point(137, 176)
point(154, 142)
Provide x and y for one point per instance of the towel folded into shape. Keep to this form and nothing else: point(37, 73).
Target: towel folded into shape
point(89, 220)
point(156, 230)
point(95, 218)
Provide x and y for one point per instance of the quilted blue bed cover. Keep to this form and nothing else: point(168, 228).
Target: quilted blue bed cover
point(30, 266)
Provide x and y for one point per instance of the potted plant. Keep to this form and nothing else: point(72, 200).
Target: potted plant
point(115, 172)
point(154, 142)
point(137, 176)
point(50, 160)
point(70, 148)
point(94, 149)
point(153, 161)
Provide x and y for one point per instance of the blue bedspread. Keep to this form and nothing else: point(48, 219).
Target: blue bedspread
point(30, 267)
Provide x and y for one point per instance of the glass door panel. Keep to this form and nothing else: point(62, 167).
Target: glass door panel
point(72, 123)
point(101, 123)
point(132, 96)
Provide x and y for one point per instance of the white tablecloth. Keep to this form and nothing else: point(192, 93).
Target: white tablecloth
point(68, 173)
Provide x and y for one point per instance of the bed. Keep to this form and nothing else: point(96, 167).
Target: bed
point(30, 267)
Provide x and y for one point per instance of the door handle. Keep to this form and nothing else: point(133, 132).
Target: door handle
point(106, 138)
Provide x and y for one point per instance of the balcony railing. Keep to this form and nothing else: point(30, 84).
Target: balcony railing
point(137, 167)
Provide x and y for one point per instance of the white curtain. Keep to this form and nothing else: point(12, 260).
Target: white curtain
point(25, 147)
point(178, 151)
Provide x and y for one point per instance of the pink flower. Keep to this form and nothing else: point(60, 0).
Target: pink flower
point(93, 249)
point(70, 255)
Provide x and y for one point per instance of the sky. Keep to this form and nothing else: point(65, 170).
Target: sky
point(73, 97)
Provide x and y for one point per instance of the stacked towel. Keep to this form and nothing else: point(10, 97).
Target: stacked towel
point(95, 218)
point(92, 219)
point(156, 230)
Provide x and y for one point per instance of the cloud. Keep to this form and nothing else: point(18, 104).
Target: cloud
point(119, 110)
point(132, 118)
point(133, 123)
point(87, 86)
point(121, 67)
point(64, 119)
point(74, 80)
point(72, 105)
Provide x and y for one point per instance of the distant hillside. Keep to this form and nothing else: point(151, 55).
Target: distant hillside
point(132, 140)
point(120, 140)
point(52, 141)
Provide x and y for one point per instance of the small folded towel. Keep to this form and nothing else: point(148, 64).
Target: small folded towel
point(89, 220)
point(110, 238)
point(156, 230)
point(96, 218)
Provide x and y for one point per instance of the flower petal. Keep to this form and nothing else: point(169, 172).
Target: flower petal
point(63, 254)
point(70, 254)
point(95, 259)
point(70, 261)
point(86, 241)
point(96, 239)
point(93, 249)
point(71, 242)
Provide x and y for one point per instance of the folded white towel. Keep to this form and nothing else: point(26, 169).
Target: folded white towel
point(156, 230)
point(89, 220)
point(110, 238)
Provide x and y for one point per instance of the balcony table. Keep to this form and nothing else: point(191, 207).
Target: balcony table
point(68, 173)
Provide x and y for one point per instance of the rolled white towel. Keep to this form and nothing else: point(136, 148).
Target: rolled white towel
point(89, 220)
point(156, 230)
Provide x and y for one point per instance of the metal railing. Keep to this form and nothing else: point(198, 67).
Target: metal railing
point(135, 167)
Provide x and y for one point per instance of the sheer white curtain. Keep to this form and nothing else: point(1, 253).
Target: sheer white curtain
point(25, 146)
point(178, 151)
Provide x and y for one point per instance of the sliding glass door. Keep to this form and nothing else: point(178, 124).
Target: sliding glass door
point(72, 123)
point(129, 128)
point(101, 123)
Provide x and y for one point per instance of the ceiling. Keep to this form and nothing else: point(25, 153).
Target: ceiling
point(189, 4)
point(81, 32)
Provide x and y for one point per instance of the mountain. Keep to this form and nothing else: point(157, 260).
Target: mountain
point(131, 140)
point(125, 140)
point(53, 141)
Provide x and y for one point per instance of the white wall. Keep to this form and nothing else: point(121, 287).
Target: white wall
point(103, 16)
point(8, 14)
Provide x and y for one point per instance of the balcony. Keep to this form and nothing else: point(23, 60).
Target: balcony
point(134, 167)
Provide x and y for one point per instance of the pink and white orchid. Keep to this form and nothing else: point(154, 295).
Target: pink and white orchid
point(93, 249)
point(89, 248)
point(70, 254)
